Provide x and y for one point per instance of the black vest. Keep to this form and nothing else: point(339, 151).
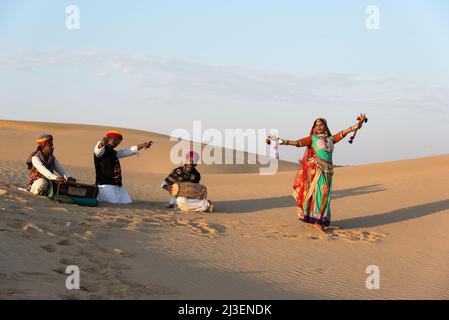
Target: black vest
point(107, 168)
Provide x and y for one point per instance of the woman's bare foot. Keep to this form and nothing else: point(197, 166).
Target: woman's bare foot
point(319, 227)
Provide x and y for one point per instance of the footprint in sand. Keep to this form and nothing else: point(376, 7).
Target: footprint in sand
point(16, 224)
point(89, 286)
point(9, 291)
point(68, 262)
point(291, 236)
point(22, 200)
point(124, 220)
point(65, 242)
point(59, 232)
point(152, 224)
point(59, 209)
point(49, 248)
point(33, 228)
point(134, 225)
point(79, 228)
point(3, 192)
point(115, 224)
point(31, 273)
point(356, 235)
point(87, 235)
point(59, 270)
point(7, 276)
point(218, 228)
point(272, 234)
point(202, 228)
point(30, 209)
point(118, 252)
point(207, 229)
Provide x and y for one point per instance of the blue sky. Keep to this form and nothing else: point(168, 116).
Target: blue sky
point(288, 35)
point(273, 63)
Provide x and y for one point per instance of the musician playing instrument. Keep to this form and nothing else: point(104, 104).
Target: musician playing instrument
point(43, 166)
point(186, 173)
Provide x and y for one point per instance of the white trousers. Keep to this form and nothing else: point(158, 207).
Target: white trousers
point(113, 194)
point(186, 204)
point(40, 186)
point(192, 205)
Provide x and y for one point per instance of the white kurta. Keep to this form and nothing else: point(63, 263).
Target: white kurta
point(111, 193)
point(41, 185)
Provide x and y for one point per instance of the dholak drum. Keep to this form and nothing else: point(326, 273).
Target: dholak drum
point(189, 190)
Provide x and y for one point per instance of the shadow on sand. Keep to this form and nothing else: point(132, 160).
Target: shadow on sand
point(394, 216)
point(251, 205)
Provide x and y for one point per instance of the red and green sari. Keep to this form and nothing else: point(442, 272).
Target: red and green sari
point(312, 188)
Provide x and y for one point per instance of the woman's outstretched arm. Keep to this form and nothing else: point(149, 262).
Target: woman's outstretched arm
point(304, 142)
point(339, 136)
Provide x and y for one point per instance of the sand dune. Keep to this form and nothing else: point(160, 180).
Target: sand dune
point(74, 146)
point(393, 215)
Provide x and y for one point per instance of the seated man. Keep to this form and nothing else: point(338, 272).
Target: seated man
point(43, 165)
point(186, 173)
point(108, 173)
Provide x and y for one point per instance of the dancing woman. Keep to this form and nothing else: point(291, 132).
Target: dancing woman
point(312, 187)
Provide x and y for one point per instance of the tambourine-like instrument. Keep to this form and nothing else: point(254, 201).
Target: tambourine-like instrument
point(362, 119)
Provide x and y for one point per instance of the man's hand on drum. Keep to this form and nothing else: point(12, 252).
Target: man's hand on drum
point(166, 186)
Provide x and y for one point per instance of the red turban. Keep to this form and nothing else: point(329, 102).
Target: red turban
point(114, 135)
point(192, 157)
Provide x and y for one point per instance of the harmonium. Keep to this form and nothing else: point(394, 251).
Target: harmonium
point(77, 193)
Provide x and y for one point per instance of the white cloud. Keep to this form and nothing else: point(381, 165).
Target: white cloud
point(100, 74)
point(153, 76)
point(148, 92)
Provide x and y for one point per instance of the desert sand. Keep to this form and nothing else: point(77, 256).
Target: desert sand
point(394, 215)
